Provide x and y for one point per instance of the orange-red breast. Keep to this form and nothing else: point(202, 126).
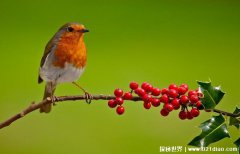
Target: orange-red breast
point(64, 59)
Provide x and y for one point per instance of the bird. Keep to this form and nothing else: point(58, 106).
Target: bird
point(64, 60)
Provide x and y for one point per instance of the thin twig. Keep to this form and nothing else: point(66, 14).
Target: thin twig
point(35, 106)
point(226, 113)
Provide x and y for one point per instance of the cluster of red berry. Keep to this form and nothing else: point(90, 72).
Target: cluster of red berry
point(173, 98)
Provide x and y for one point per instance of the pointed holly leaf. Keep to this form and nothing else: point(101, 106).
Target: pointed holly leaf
point(237, 143)
point(213, 130)
point(235, 120)
point(212, 95)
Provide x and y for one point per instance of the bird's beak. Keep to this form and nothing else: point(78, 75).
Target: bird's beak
point(85, 30)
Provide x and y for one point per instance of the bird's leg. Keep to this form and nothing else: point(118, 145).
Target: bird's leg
point(88, 96)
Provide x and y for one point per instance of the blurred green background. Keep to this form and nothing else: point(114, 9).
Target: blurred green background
point(162, 42)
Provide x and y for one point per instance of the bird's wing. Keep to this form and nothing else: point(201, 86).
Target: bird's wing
point(47, 50)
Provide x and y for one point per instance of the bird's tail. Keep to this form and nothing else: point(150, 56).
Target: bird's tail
point(49, 90)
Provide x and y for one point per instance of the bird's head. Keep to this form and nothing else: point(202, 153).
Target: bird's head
point(72, 30)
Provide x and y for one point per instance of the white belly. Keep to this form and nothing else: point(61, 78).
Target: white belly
point(50, 73)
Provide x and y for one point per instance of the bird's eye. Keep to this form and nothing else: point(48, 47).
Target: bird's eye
point(70, 29)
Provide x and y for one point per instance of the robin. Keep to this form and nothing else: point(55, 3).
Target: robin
point(64, 60)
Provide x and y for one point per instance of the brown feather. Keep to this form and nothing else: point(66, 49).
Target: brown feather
point(47, 50)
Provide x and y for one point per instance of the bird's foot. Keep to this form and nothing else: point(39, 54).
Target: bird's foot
point(88, 97)
point(52, 99)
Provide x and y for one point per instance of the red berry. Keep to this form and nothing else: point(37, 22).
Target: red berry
point(184, 86)
point(140, 92)
point(195, 112)
point(189, 115)
point(155, 102)
point(127, 96)
point(199, 105)
point(144, 85)
point(147, 105)
point(164, 112)
point(168, 107)
point(120, 110)
point(192, 92)
point(176, 104)
point(165, 91)
point(118, 92)
point(193, 99)
point(112, 103)
point(164, 98)
point(182, 90)
point(173, 86)
point(133, 85)
point(156, 91)
point(147, 98)
point(119, 100)
point(182, 114)
point(173, 93)
point(149, 88)
point(137, 90)
point(184, 99)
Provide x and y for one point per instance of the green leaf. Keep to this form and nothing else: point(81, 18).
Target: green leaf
point(237, 143)
point(212, 95)
point(213, 130)
point(235, 120)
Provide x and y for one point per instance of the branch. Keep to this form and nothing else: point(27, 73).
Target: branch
point(35, 106)
point(226, 113)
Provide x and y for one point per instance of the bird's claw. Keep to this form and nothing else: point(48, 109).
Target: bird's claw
point(52, 99)
point(88, 98)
